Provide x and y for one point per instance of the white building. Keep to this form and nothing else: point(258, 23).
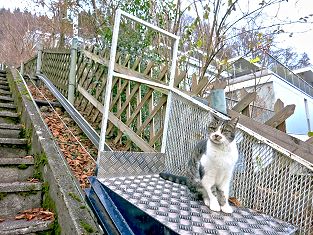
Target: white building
point(275, 82)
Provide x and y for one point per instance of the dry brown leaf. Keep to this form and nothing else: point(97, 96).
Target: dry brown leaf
point(33, 180)
point(22, 216)
point(28, 157)
point(234, 201)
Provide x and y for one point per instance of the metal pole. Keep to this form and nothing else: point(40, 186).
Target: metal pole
point(39, 57)
point(72, 75)
point(170, 94)
point(109, 83)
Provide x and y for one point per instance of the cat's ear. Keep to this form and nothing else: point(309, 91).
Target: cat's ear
point(215, 118)
point(234, 121)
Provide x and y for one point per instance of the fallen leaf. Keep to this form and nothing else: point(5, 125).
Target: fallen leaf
point(234, 201)
point(18, 217)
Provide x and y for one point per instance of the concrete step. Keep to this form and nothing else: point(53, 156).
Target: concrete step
point(5, 83)
point(7, 105)
point(10, 130)
point(8, 114)
point(4, 92)
point(15, 227)
point(10, 126)
point(6, 98)
point(7, 151)
point(13, 141)
point(4, 87)
point(19, 196)
point(13, 147)
point(16, 169)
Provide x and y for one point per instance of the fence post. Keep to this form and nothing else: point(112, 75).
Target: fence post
point(22, 69)
point(39, 57)
point(72, 75)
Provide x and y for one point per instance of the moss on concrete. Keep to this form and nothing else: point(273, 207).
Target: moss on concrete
point(88, 228)
point(22, 166)
point(74, 196)
point(48, 203)
point(3, 195)
point(40, 161)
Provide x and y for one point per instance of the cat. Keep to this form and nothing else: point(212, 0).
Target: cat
point(211, 165)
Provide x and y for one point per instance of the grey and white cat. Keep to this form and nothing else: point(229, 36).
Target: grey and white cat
point(211, 166)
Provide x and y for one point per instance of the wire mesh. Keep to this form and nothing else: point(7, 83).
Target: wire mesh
point(264, 179)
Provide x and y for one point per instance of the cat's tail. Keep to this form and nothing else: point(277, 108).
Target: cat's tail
point(174, 178)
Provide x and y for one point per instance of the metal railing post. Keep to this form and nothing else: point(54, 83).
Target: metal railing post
point(39, 57)
point(72, 75)
point(107, 95)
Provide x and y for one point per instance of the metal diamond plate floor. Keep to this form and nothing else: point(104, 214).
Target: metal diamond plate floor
point(172, 205)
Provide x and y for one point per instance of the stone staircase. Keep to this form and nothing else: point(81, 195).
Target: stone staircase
point(17, 193)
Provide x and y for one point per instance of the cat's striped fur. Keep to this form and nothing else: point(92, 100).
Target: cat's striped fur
point(211, 166)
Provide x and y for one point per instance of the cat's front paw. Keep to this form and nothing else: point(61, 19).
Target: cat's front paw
point(206, 202)
point(214, 206)
point(227, 209)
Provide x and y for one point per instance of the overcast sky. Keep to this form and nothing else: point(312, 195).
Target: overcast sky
point(302, 39)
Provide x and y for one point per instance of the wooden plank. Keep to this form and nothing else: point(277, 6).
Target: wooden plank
point(149, 119)
point(152, 127)
point(137, 110)
point(118, 123)
point(131, 134)
point(97, 87)
point(120, 69)
point(179, 78)
point(57, 51)
point(194, 82)
point(281, 116)
point(279, 138)
point(279, 105)
point(163, 73)
point(154, 112)
point(244, 102)
point(92, 86)
point(201, 85)
point(156, 137)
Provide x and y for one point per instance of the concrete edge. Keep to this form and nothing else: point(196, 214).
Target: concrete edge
point(71, 207)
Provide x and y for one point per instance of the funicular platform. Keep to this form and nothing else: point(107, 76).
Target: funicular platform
point(129, 193)
point(150, 205)
point(272, 184)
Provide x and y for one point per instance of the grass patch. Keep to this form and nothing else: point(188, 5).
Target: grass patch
point(3, 195)
point(22, 166)
point(87, 227)
point(74, 196)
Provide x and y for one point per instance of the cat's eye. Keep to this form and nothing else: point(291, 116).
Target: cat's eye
point(212, 128)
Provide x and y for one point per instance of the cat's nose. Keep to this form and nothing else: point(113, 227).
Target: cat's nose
point(217, 137)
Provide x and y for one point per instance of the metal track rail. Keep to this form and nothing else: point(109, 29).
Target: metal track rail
point(76, 116)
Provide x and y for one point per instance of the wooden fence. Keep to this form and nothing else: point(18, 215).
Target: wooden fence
point(136, 114)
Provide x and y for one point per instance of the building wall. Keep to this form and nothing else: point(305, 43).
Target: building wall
point(297, 123)
point(269, 89)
